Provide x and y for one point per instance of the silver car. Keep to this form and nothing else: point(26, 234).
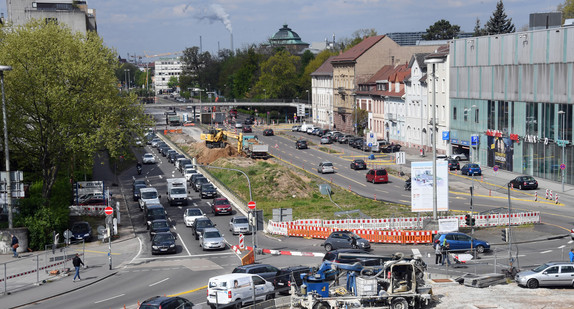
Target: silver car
point(148, 158)
point(549, 274)
point(239, 225)
point(325, 167)
point(211, 239)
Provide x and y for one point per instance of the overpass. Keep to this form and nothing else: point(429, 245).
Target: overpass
point(295, 103)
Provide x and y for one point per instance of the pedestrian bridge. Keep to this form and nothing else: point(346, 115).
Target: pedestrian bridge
point(296, 103)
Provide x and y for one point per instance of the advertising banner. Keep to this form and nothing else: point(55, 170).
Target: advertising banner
point(422, 186)
point(500, 152)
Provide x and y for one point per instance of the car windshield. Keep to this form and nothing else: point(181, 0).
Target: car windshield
point(206, 187)
point(221, 202)
point(241, 221)
point(149, 195)
point(140, 186)
point(164, 237)
point(359, 161)
point(204, 223)
point(239, 271)
point(328, 164)
point(193, 212)
point(540, 268)
point(148, 155)
point(178, 191)
point(473, 166)
point(159, 224)
point(156, 212)
point(528, 178)
point(80, 228)
point(211, 234)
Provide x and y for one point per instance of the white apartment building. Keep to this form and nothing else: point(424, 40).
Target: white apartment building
point(322, 95)
point(442, 103)
point(417, 117)
point(164, 70)
point(74, 13)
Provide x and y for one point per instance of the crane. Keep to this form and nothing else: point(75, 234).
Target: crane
point(162, 54)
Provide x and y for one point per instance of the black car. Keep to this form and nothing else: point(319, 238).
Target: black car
point(138, 181)
point(358, 143)
point(198, 182)
point(337, 136)
point(163, 242)
point(201, 224)
point(177, 157)
point(81, 230)
point(358, 164)
point(154, 212)
point(247, 129)
point(301, 144)
point(136, 193)
point(157, 226)
point(524, 182)
point(391, 148)
point(165, 150)
point(163, 302)
point(345, 239)
point(322, 132)
point(170, 154)
point(268, 132)
point(268, 272)
point(290, 275)
point(453, 164)
point(207, 190)
point(353, 141)
point(347, 256)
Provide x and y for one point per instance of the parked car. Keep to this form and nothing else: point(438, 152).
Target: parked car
point(391, 148)
point(325, 167)
point(268, 132)
point(462, 242)
point(207, 190)
point(148, 158)
point(459, 156)
point(548, 274)
point(453, 164)
point(235, 290)
point(191, 214)
point(159, 302)
point(295, 128)
point(137, 193)
point(358, 164)
point(524, 182)
point(266, 271)
point(163, 242)
point(471, 169)
point(326, 140)
point(315, 131)
point(354, 140)
point(345, 139)
point(221, 206)
point(247, 129)
point(377, 175)
point(239, 225)
point(211, 239)
point(347, 256)
point(323, 132)
point(81, 230)
point(301, 144)
point(157, 226)
point(288, 276)
point(201, 224)
point(345, 239)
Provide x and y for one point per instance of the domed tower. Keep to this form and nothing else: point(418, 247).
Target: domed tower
point(289, 39)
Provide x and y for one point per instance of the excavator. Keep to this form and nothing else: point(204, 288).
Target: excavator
point(214, 138)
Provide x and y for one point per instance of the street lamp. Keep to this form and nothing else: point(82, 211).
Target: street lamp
point(434, 62)
point(6, 151)
point(563, 114)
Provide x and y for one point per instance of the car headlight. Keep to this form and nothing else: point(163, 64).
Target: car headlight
point(155, 247)
point(87, 234)
point(172, 245)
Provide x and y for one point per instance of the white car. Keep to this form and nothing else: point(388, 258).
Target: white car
point(459, 156)
point(189, 172)
point(211, 239)
point(227, 289)
point(148, 158)
point(325, 167)
point(191, 214)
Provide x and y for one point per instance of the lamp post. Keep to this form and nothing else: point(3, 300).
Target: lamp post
point(355, 128)
point(434, 62)
point(563, 114)
point(265, 95)
point(6, 150)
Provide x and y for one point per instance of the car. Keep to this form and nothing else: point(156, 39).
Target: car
point(354, 141)
point(459, 156)
point(453, 164)
point(301, 144)
point(238, 125)
point(235, 290)
point(158, 225)
point(325, 167)
point(462, 242)
point(377, 175)
point(148, 196)
point(190, 214)
point(391, 148)
point(198, 182)
point(189, 172)
point(572, 234)
point(211, 239)
point(221, 206)
point(163, 242)
point(315, 131)
point(148, 158)
point(310, 130)
point(181, 162)
point(323, 132)
point(268, 132)
point(137, 193)
point(336, 136)
point(326, 140)
point(382, 143)
point(207, 190)
point(266, 271)
point(138, 181)
point(290, 275)
point(471, 169)
point(358, 164)
point(154, 212)
point(247, 129)
point(547, 274)
point(295, 128)
point(346, 256)
point(170, 154)
point(345, 139)
point(345, 239)
point(239, 225)
point(154, 142)
point(159, 302)
point(524, 182)
point(165, 150)
point(199, 225)
point(359, 143)
point(81, 230)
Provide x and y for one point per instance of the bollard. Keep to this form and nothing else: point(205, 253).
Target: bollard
point(490, 192)
point(349, 187)
point(556, 198)
point(481, 178)
point(550, 194)
point(546, 193)
point(375, 196)
point(303, 166)
point(536, 196)
point(511, 186)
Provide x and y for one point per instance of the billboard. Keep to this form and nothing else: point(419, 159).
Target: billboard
point(500, 152)
point(422, 186)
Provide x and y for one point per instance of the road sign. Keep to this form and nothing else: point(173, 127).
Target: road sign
point(251, 205)
point(109, 210)
point(495, 168)
point(400, 158)
point(67, 234)
point(562, 166)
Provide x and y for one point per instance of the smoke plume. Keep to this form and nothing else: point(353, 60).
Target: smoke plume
point(217, 13)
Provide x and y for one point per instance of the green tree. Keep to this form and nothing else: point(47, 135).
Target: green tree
point(173, 82)
point(357, 37)
point(499, 23)
point(305, 80)
point(63, 102)
point(478, 31)
point(278, 76)
point(567, 9)
point(441, 30)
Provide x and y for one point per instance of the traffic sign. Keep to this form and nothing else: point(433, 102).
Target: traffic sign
point(109, 210)
point(495, 168)
point(251, 205)
point(400, 157)
point(562, 166)
point(68, 234)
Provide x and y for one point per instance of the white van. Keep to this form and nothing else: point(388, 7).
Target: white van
point(234, 289)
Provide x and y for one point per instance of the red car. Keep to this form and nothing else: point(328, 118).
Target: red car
point(221, 206)
point(377, 175)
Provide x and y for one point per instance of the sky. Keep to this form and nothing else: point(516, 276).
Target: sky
point(152, 27)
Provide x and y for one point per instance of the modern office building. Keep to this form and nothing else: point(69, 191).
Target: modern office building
point(415, 38)
point(73, 13)
point(165, 69)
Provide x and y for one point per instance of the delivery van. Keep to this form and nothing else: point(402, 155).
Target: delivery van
point(237, 290)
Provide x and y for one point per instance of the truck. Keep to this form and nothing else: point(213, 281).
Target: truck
point(396, 283)
point(177, 191)
point(214, 138)
point(172, 119)
point(250, 145)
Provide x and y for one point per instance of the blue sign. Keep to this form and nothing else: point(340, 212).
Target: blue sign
point(445, 135)
point(474, 140)
point(454, 141)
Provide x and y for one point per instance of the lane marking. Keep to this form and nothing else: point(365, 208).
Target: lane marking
point(547, 251)
point(139, 251)
point(185, 247)
point(159, 282)
point(187, 292)
point(183, 257)
point(103, 300)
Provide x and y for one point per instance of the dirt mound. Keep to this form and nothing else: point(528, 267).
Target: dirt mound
point(206, 155)
point(180, 138)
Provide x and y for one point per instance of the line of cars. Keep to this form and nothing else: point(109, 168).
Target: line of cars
point(329, 137)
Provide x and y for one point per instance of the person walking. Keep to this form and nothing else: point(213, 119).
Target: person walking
point(571, 255)
point(77, 262)
point(15, 245)
point(445, 247)
point(438, 253)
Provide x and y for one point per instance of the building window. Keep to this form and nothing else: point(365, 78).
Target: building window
point(454, 113)
point(476, 113)
point(491, 115)
point(466, 110)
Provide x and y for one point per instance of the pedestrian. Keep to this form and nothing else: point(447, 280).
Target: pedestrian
point(571, 255)
point(77, 262)
point(15, 245)
point(437, 252)
point(445, 247)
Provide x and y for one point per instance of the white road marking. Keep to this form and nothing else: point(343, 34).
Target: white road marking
point(547, 251)
point(103, 300)
point(561, 246)
point(159, 282)
point(139, 251)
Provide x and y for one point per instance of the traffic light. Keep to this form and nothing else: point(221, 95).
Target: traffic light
point(467, 219)
point(505, 235)
point(472, 222)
